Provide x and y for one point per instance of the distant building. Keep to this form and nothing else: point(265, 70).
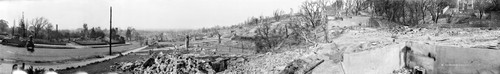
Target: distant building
point(334, 11)
point(464, 5)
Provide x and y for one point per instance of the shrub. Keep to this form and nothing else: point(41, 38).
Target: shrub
point(42, 41)
point(91, 42)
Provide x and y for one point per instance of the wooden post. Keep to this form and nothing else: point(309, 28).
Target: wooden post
point(187, 42)
point(219, 37)
point(242, 46)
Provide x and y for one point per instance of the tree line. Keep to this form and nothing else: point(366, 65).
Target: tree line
point(39, 27)
point(415, 12)
point(42, 28)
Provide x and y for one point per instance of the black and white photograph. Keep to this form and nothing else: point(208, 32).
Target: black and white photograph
point(249, 36)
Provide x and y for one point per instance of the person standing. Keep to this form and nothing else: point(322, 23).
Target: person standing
point(30, 45)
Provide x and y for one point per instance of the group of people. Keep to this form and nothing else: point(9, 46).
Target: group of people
point(168, 65)
point(16, 69)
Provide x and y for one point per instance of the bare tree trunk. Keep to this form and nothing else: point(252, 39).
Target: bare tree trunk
point(306, 38)
point(481, 14)
point(437, 17)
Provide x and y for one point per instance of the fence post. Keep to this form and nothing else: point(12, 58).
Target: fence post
point(187, 42)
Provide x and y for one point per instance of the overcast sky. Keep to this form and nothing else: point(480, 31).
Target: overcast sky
point(143, 14)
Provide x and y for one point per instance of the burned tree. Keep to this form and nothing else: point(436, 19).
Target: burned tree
point(38, 24)
point(484, 6)
point(435, 7)
point(22, 27)
point(277, 15)
point(129, 33)
point(311, 13)
point(85, 31)
point(3, 25)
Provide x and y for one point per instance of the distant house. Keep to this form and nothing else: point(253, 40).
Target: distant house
point(464, 5)
point(460, 5)
point(334, 11)
point(467, 5)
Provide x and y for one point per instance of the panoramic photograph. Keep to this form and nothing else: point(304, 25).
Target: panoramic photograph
point(249, 37)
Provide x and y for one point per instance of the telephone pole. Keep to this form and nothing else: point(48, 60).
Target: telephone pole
point(110, 28)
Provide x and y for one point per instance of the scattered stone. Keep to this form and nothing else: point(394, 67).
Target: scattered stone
point(169, 64)
point(295, 67)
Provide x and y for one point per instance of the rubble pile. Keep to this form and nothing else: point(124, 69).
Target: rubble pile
point(170, 65)
point(269, 63)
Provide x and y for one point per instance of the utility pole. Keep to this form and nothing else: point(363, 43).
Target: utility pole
point(187, 42)
point(110, 28)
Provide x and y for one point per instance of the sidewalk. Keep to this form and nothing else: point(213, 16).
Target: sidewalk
point(75, 46)
point(6, 68)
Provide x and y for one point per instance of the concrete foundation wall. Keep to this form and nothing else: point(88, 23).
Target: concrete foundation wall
point(455, 60)
point(377, 61)
point(433, 59)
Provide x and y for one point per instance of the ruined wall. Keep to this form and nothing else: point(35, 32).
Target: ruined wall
point(455, 60)
point(431, 58)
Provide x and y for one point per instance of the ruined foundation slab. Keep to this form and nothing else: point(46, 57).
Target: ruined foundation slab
point(455, 60)
point(432, 58)
point(377, 61)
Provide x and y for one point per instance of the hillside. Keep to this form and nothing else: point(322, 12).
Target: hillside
point(358, 42)
point(382, 39)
